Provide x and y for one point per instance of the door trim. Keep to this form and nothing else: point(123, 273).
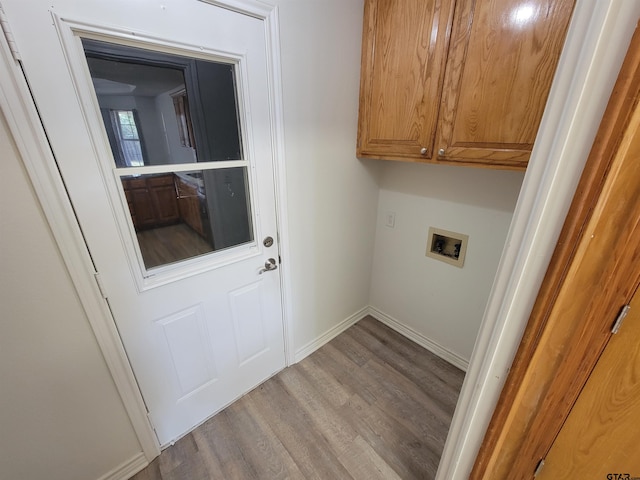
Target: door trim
point(30, 137)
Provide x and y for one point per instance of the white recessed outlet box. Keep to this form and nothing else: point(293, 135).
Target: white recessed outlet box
point(446, 246)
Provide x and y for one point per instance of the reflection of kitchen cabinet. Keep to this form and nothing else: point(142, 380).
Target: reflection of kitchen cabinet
point(152, 200)
point(139, 202)
point(189, 205)
point(163, 198)
point(461, 82)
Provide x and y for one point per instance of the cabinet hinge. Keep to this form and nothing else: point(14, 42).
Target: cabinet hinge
point(8, 34)
point(98, 278)
point(620, 318)
point(539, 467)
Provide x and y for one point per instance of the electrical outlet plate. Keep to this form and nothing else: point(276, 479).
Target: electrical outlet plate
point(390, 219)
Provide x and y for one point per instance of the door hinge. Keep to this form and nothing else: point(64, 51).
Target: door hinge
point(98, 278)
point(153, 426)
point(8, 34)
point(150, 418)
point(539, 467)
point(620, 318)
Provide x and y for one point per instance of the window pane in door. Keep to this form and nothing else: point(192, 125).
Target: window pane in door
point(182, 215)
point(164, 109)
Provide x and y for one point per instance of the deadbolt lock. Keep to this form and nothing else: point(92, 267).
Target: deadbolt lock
point(267, 242)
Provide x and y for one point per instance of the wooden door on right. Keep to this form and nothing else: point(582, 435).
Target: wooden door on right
point(601, 436)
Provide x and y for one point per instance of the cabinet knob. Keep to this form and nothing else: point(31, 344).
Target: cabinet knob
point(441, 152)
point(423, 151)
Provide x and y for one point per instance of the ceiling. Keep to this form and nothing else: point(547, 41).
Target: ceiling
point(111, 77)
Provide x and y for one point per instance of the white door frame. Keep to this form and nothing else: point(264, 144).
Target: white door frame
point(30, 138)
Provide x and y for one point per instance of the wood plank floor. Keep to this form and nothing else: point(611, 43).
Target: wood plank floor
point(368, 405)
point(164, 245)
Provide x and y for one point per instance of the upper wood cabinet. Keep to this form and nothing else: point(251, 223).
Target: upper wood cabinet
point(403, 56)
point(458, 82)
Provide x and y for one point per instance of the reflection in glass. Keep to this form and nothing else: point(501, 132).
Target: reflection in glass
point(127, 137)
point(162, 109)
point(182, 215)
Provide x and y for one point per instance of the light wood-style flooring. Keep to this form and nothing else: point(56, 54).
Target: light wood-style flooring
point(368, 405)
point(164, 245)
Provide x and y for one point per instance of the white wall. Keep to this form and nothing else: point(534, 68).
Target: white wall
point(441, 303)
point(332, 197)
point(60, 414)
point(152, 131)
point(335, 199)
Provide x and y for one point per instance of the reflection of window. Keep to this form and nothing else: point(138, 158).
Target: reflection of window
point(128, 139)
point(185, 129)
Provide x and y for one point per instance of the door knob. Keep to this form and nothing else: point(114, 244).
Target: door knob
point(268, 266)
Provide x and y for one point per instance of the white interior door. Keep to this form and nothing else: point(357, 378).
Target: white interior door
point(158, 115)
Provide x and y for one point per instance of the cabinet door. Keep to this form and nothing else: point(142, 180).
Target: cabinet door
point(189, 206)
point(502, 59)
point(142, 210)
point(164, 199)
point(129, 196)
point(403, 56)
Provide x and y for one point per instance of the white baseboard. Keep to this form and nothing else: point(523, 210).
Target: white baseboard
point(312, 346)
point(411, 334)
point(435, 348)
point(127, 469)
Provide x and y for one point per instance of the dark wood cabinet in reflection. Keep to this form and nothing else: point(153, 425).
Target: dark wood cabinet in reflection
point(164, 199)
point(189, 206)
point(139, 202)
point(152, 201)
